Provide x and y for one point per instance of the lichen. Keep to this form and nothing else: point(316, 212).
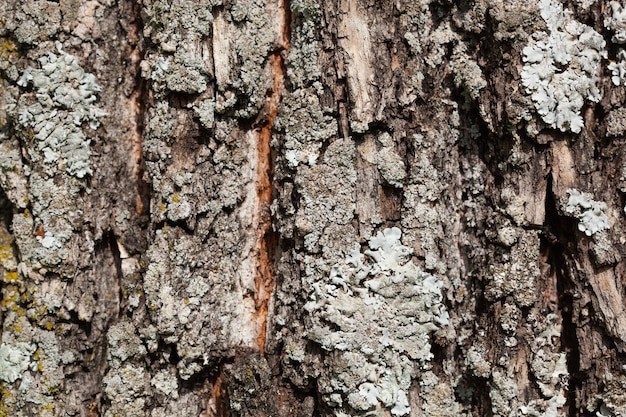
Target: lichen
point(616, 126)
point(375, 312)
point(32, 20)
point(65, 96)
point(618, 68)
point(51, 219)
point(124, 344)
point(561, 67)
point(589, 212)
point(616, 21)
point(502, 393)
point(126, 387)
point(14, 359)
point(179, 29)
point(390, 165)
point(611, 400)
point(166, 382)
point(467, 72)
point(305, 127)
point(304, 50)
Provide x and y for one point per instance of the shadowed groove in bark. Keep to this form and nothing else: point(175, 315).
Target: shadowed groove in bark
point(554, 244)
point(266, 242)
point(7, 241)
point(139, 101)
point(219, 397)
point(117, 260)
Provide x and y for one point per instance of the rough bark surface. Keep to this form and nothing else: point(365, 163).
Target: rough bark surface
point(308, 208)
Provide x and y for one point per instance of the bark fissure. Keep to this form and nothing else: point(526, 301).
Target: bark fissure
point(555, 238)
point(140, 98)
point(117, 261)
point(266, 239)
point(219, 398)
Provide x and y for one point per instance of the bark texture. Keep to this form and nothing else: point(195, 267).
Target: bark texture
point(308, 208)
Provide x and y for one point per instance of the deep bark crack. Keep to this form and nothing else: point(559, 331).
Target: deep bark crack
point(555, 238)
point(139, 100)
point(266, 242)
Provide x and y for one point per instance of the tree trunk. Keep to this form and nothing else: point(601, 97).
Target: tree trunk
point(307, 208)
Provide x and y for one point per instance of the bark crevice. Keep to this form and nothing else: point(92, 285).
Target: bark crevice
point(267, 237)
point(555, 239)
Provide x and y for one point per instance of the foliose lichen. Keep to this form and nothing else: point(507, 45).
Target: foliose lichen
point(14, 359)
point(618, 68)
point(589, 212)
point(616, 21)
point(375, 312)
point(65, 96)
point(561, 67)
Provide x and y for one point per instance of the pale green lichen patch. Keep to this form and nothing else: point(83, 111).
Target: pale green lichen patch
point(124, 344)
point(14, 359)
point(589, 212)
point(65, 96)
point(375, 313)
point(561, 67)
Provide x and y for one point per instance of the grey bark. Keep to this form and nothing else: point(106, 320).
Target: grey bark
point(303, 208)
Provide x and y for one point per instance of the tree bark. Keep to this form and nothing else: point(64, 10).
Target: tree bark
point(307, 208)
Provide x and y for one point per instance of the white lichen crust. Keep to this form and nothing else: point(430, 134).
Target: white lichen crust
point(561, 67)
point(374, 313)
